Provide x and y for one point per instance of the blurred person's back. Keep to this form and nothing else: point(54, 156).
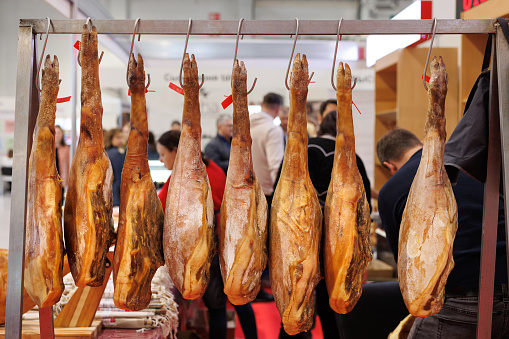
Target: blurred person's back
point(268, 143)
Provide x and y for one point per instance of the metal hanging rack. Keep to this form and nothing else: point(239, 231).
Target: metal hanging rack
point(27, 106)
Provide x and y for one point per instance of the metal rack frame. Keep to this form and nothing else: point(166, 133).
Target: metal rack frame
point(27, 106)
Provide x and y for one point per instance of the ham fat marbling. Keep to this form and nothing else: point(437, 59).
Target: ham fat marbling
point(243, 217)
point(88, 222)
point(296, 218)
point(430, 218)
point(346, 245)
point(44, 246)
point(138, 250)
point(188, 236)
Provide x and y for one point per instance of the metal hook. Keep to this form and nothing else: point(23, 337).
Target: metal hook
point(433, 30)
point(338, 39)
point(89, 25)
point(237, 43)
point(148, 83)
point(293, 50)
point(136, 27)
point(136, 23)
point(183, 55)
point(42, 55)
point(131, 51)
point(291, 57)
point(235, 56)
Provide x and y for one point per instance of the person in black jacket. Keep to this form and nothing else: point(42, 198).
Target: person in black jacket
point(321, 159)
point(114, 145)
point(218, 149)
point(400, 152)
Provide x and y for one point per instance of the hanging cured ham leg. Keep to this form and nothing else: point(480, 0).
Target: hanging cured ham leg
point(347, 217)
point(430, 218)
point(296, 218)
point(88, 222)
point(188, 236)
point(138, 251)
point(44, 248)
point(243, 217)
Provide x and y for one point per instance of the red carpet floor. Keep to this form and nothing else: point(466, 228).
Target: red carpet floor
point(268, 322)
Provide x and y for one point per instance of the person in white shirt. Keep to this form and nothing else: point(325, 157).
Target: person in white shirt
point(268, 143)
point(267, 151)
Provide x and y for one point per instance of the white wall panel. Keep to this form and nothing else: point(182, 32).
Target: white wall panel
point(319, 10)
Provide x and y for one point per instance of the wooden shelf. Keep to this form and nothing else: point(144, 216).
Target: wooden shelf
point(388, 61)
point(391, 111)
point(31, 330)
point(388, 118)
point(386, 88)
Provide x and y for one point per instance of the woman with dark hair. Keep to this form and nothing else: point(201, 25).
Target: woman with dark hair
point(167, 148)
point(63, 156)
point(214, 297)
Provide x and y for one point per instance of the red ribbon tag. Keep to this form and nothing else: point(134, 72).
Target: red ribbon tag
point(358, 110)
point(427, 78)
point(312, 82)
point(146, 91)
point(77, 45)
point(65, 99)
point(227, 102)
point(176, 88)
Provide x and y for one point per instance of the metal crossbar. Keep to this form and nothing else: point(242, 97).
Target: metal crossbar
point(268, 27)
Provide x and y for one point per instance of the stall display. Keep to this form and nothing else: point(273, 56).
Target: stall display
point(242, 222)
point(88, 221)
point(295, 218)
point(138, 250)
point(430, 218)
point(347, 250)
point(26, 110)
point(161, 313)
point(188, 236)
point(44, 248)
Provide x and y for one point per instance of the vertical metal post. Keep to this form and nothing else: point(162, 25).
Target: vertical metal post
point(491, 204)
point(503, 85)
point(27, 107)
